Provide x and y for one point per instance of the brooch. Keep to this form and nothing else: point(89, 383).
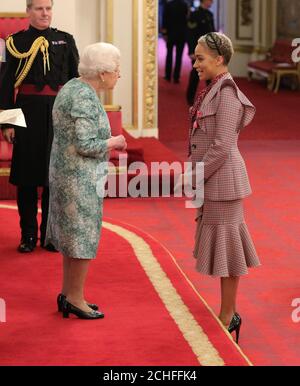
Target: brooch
point(198, 117)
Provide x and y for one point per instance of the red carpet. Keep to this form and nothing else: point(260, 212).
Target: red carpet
point(139, 308)
point(268, 335)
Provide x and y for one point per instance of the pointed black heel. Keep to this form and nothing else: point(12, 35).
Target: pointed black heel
point(62, 297)
point(235, 325)
point(68, 309)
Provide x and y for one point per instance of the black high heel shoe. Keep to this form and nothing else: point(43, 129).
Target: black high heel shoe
point(68, 308)
point(235, 325)
point(62, 297)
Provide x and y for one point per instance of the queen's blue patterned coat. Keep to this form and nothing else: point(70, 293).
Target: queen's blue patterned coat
point(78, 165)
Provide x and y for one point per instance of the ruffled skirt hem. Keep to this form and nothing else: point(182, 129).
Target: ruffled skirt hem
point(223, 245)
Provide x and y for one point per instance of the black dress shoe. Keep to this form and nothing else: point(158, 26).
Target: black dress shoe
point(62, 297)
point(27, 245)
point(68, 308)
point(235, 325)
point(49, 247)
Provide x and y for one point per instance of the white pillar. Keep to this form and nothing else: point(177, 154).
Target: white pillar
point(132, 26)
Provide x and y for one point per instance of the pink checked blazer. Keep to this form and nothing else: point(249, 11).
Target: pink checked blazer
point(213, 140)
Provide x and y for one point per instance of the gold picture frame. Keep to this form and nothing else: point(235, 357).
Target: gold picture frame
point(244, 19)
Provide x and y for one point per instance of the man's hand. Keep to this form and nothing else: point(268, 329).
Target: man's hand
point(9, 135)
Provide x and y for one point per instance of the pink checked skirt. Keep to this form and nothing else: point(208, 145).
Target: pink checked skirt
point(223, 245)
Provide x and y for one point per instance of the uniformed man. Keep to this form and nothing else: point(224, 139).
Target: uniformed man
point(38, 62)
point(201, 22)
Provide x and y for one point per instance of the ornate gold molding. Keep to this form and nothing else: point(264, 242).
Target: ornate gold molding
point(261, 50)
point(13, 15)
point(150, 67)
point(246, 12)
point(4, 172)
point(109, 108)
point(110, 21)
point(109, 38)
point(135, 58)
point(243, 49)
point(244, 20)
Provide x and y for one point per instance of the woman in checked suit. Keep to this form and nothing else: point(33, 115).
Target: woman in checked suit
point(223, 245)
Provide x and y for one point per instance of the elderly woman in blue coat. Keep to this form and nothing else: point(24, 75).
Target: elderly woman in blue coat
point(78, 165)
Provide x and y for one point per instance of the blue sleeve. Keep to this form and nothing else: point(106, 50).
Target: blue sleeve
point(87, 121)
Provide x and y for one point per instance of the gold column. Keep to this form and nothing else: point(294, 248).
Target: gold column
point(13, 15)
point(135, 69)
point(109, 39)
point(150, 67)
point(110, 21)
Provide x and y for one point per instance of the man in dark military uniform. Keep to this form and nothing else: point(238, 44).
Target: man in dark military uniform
point(38, 62)
point(201, 22)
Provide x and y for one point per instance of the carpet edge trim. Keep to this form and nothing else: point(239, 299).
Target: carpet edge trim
point(199, 342)
point(138, 241)
point(193, 288)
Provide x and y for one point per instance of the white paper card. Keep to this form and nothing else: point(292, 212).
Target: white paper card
point(13, 117)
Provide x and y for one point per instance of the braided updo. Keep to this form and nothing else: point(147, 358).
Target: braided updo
point(219, 44)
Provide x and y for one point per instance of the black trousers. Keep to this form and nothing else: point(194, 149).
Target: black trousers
point(27, 199)
point(169, 60)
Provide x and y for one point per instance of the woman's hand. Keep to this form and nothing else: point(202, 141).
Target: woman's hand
point(9, 135)
point(117, 143)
